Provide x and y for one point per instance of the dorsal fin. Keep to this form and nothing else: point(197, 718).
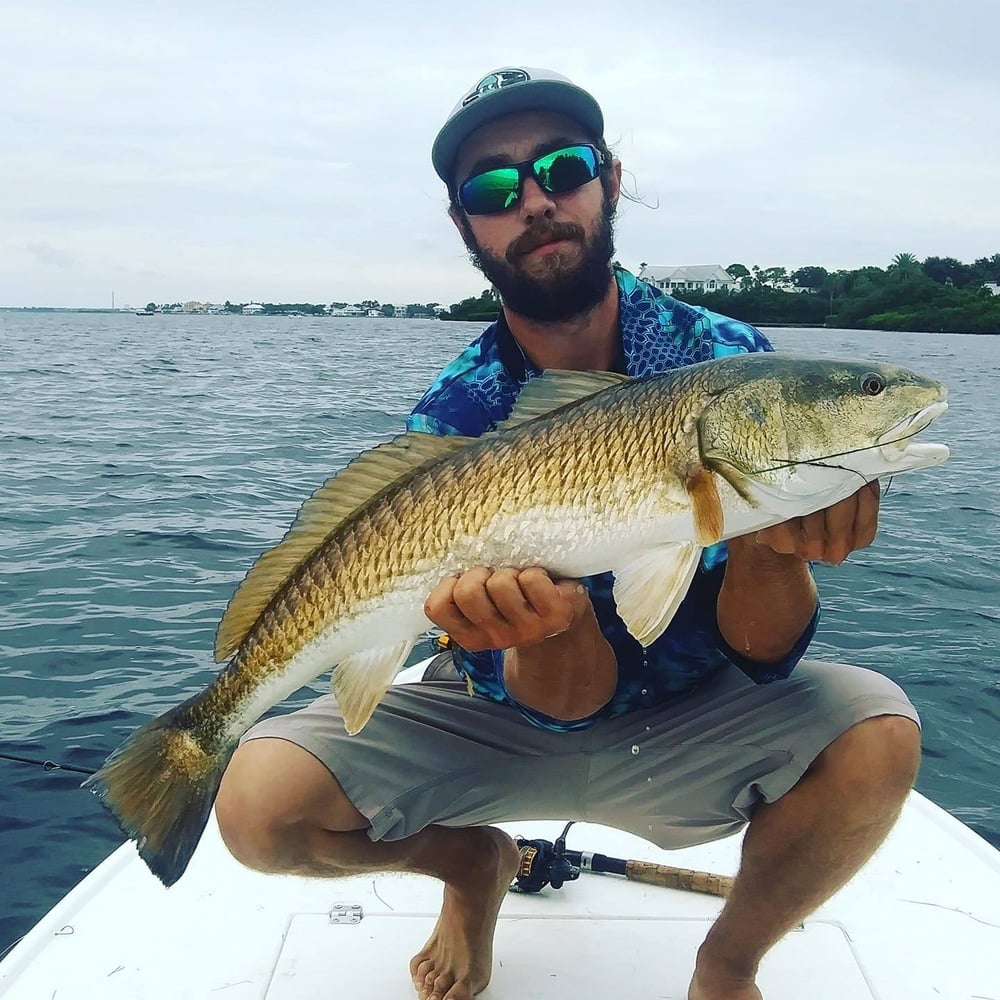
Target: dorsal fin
point(556, 388)
point(338, 498)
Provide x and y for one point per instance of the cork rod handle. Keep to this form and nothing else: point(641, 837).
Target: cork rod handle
point(678, 878)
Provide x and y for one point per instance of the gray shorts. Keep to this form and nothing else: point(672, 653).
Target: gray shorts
point(684, 773)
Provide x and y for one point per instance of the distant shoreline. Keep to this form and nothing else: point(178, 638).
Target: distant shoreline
point(763, 326)
point(64, 309)
point(141, 312)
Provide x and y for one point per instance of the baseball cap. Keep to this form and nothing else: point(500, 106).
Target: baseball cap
point(511, 88)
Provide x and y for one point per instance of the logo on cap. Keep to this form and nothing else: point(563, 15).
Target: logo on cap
point(496, 81)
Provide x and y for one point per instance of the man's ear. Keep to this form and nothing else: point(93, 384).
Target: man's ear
point(616, 182)
point(461, 221)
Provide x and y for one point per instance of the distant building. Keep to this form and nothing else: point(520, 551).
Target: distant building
point(252, 309)
point(790, 286)
point(993, 287)
point(202, 307)
point(701, 277)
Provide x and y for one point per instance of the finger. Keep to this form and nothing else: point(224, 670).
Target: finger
point(473, 600)
point(556, 604)
point(504, 590)
point(443, 610)
point(783, 538)
point(440, 604)
point(527, 624)
point(841, 530)
point(866, 519)
point(539, 590)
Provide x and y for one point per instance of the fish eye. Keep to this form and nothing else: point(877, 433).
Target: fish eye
point(872, 384)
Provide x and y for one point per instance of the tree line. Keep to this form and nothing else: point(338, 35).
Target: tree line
point(936, 295)
point(418, 310)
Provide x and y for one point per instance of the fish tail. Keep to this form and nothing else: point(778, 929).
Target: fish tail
point(160, 785)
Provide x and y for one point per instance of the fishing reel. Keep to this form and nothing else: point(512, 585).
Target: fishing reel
point(543, 863)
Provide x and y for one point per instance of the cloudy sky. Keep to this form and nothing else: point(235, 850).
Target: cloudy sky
point(218, 150)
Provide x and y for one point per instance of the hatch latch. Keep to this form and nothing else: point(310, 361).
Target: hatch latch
point(346, 913)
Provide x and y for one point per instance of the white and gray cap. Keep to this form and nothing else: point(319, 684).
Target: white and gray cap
point(505, 90)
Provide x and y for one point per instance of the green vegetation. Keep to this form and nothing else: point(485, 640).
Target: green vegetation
point(940, 295)
point(296, 308)
point(483, 309)
point(367, 307)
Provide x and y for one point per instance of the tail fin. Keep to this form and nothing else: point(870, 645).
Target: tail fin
point(160, 785)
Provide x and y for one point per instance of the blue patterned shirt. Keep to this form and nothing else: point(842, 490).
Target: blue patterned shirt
point(476, 391)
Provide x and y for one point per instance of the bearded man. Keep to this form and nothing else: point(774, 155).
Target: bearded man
point(815, 759)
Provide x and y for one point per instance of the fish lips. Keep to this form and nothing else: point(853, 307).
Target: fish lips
point(897, 448)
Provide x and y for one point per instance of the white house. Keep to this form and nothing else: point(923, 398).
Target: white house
point(993, 287)
point(252, 309)
point(703, 277)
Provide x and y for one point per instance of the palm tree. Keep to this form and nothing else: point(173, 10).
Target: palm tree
point(904, 265)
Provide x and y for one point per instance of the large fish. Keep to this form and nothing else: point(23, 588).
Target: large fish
point(592, 472)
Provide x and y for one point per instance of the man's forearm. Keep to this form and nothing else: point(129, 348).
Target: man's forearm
point(566, 677)
point(766, 602)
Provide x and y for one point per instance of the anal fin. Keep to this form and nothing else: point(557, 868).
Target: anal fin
point(649, 589)
point(360, 680)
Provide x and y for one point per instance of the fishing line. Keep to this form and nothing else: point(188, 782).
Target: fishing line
point(838, 454)
point(840, 468)
point(46, 765)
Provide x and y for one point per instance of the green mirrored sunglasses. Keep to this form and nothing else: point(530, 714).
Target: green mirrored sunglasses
point(557, 172)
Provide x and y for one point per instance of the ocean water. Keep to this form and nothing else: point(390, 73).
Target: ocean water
point(145, 462)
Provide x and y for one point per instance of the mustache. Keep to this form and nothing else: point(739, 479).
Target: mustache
point(544, 232)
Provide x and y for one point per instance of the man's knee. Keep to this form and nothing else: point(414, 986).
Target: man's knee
point(876, 758)
point(271, 792)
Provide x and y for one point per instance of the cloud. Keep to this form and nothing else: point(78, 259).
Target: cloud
point(49, 255)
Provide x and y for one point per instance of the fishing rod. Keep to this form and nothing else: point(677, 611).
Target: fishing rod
point(546, 863)
point(45, 765)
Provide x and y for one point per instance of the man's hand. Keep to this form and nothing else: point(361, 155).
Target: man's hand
point(828, 535)
point(556, 660)
point(505, 608)
point(768, 595)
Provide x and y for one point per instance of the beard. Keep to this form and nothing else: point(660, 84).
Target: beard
point(562, 289)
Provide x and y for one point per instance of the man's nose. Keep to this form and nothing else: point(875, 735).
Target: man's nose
point(535, 200)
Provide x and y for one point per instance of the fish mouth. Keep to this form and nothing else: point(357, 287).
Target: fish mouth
point(898, 442)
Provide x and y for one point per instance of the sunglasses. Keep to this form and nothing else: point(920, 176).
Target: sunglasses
point(558, 172)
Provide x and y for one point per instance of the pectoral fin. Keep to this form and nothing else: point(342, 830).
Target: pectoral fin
point(360, 681)
point(649, 590)
point(706, 507)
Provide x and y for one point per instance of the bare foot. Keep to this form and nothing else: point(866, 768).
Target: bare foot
point(457, 961)
point(707, 985)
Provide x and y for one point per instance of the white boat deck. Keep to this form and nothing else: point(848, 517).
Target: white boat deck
point(921, 921)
